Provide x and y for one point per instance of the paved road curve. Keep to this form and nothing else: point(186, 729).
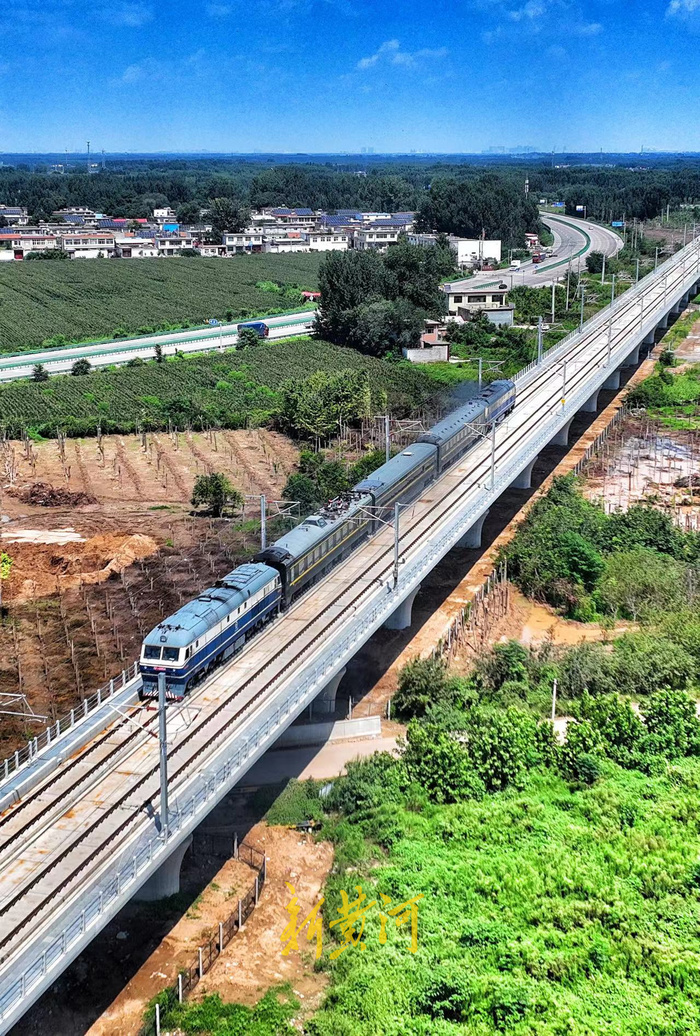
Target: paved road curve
point(60, 361)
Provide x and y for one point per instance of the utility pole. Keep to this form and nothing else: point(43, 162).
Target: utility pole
point(656, 257)
point(554, 288)
point(88, 156)
point(481, 371)
point(636, 280)
point(263, 522)
point(612, 293)
point(563, 382)
point(602, 275)
point(397, 510)
point(539, 339)
point(609, 340)
point(162, 738)
point(568, 282)
point(583, 298)
point(387, 438)
point(493, 455)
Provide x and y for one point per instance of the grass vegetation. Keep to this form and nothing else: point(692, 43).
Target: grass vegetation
point(71, 302)
point(228, 389)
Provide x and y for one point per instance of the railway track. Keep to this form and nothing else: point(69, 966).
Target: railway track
point(187, 752)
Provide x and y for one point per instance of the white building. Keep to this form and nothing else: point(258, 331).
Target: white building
point(279, 243)
point(376, 236)
point(15, 245)
point(14, 216)
point(87, 245)
point(210, 250)
point(465, 301)
point(470, 251)
point(166, 215)
point(127, 246)
point(248, 240)
point(326, 240)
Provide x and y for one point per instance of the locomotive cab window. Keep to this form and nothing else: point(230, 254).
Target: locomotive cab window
point(151, 652)
point(171, 654)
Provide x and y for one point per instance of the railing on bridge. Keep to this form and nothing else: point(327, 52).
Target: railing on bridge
point(150, 851)
point(207, 954)
point(53, 732)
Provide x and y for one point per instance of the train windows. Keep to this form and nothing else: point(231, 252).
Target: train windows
point(188, 653)
point(171, 654)
point(151, 652)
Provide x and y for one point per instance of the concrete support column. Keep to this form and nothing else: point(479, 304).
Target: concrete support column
point(613, 381)
point(401, 618)
point(472, 537)
point(591, 405)
point(562, 436)
point(330, 691)
point(633, 358)
point(166, 880)
point(650, 339)
point(663, 323)
point(524, 479)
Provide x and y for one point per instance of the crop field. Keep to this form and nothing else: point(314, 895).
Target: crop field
point(39, 300)
point(228, 389)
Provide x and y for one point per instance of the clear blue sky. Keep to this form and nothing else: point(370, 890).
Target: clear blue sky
point(330, 75)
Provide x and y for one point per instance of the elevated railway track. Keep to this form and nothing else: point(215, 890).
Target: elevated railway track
point(82, 842)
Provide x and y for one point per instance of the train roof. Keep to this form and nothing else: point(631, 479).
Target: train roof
point(469, 411)
point(395, 469)
point(315, 528)
point(211, 606)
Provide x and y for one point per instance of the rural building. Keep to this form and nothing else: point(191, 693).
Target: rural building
point(466, 301)
point(281, 243)
point(15, 245)
point(250, 240)
point(326, 240)
point(433, 348)
point(166, 215)
point(14, 215)
point(87, 245)
point(470, 251)
point(128, 246)
point(210, 250)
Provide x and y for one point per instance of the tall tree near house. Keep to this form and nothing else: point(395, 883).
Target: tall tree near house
point(5, 568)
point(226, 217)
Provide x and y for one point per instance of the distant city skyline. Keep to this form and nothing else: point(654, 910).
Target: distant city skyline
point(357, 76)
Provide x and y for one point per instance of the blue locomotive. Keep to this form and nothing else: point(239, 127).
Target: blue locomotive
point(216, 624)
point(209, 629)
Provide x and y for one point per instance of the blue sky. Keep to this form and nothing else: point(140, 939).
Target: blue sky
point(330, 75)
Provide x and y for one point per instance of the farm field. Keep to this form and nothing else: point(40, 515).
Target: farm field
point(39, 300)
point(227, 389)
point(104, 545)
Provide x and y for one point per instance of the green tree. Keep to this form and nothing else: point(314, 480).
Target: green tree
point(226, 217)
point(672, 722)
point(381, 327)
point(422, 682)
point(158, 351)
point(81, 367)
point(440, 765)
point(304, 491)
point(6, 563)
point(501, 746)
point(248, 338)
point(639, 582)
point(39, 372)
point(594, 262)
point(316, 405)
point(217, 492)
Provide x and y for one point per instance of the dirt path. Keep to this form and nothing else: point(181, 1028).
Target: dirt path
point(252, 961)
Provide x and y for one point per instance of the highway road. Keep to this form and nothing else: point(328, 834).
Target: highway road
point(224, 336)
point(573, 240)
point(93, 823)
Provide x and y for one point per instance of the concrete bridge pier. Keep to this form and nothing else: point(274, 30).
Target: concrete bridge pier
point(401, 618)
point(330, 691)
point(613, 381)
point(166, 880)
point(524, 479)
point(472, 537)
point(562, 436)
point(591, 405)
point(633, 358)
point(650, 339)
point(663, 323)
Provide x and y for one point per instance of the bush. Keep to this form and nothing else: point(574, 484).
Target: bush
point(673, 724)
point(440, 765)
point(422, 682)
point(501, 746)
